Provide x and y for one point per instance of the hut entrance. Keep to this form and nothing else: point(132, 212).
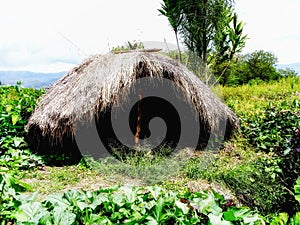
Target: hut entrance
point(152, 122)
point(153, 108)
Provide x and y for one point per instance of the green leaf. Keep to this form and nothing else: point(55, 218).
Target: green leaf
point(149, 204)
point(130, 193)
point(4, 169)
point(208, 205)
point(158, 209)
point(242, 213)
point(31, 212)
point(24, 185)
point(82, 205)
point(28, 198)
point(184, 208)
point(8, 108)
point(118, 199)
point(63, 217)
point(151, 221)
point(18, 141)
point(281, 219)
point(229, 215)
point(155, 191)
point(296, 219)
point(252, 219)
point(217, 219)
point(57, 200)
point(15, 118)
point(98, 200)
point(297, 189)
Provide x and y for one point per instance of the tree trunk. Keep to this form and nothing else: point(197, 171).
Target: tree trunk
point(176, 35)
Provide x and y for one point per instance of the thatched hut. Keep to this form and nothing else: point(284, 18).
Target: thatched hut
point(87, 94)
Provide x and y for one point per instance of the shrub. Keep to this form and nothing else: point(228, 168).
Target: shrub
point(254, 68)
point(254, 183)
point(118, 205)
point(272, 131)
point(16, 105)
point(277, 133)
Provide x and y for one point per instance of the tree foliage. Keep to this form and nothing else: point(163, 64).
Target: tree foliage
point(173, 11)
point(209, 29)
point(254, 67)
point(229, 41)
point(202, 22)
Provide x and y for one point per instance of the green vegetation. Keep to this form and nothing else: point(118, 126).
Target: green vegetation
point(210, 30)
point(252, 68)
point(118, 205)
point(16, 105)
point(270, 119)
point(259, 166)
point(213, 37)
point(134, 45)
point(255, 67)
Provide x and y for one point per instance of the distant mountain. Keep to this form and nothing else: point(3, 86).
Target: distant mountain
point(294, 66)
point(29, 79)
point(39, 80)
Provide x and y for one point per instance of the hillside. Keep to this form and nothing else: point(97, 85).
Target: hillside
point(29, 79)
point(294, 66)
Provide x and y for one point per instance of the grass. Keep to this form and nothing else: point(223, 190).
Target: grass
point(250, 100)
point(240, 171)
point(59, 179)
point(237, 156)
point(201, 172)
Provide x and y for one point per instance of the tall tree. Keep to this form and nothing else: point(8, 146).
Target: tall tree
point(228, 41)
point(172, 9)
point(253, 67)
point(208, 28)
point(202, 21)
point(261, 65)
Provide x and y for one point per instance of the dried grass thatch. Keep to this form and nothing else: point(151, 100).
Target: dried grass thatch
point(95, 84)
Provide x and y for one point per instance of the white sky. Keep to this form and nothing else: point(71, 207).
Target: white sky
point(272, 25)
point(34, 32)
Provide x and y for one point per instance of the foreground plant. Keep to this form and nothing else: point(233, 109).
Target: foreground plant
point(118, 205)
point(284, 218)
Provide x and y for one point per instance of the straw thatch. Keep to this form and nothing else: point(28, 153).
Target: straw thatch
point(96, 84)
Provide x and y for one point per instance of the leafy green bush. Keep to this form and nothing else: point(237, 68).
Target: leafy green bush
point(270, 117)
point(254, 68)
point(16, 105)
point(284, 218)
point(254, 182)
point(10, 189)
point(276, 132)
point(118, 205)
point(260, 185)
point(272, 131)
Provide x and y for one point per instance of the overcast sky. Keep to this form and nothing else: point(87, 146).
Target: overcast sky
point(41, 35)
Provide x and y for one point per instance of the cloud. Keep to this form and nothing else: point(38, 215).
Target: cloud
point(36, 33)
point(40, 32)
point(270, 25)
point(21, 53)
